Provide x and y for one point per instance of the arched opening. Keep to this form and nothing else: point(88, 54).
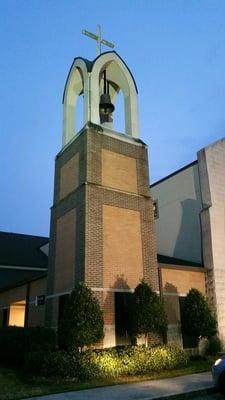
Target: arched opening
point(79, 113)
point(122, 91)
point(119, 113)
point(112, 98)
point(74, 100)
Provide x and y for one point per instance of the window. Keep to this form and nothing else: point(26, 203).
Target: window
point(155, 209)
point(17, 313)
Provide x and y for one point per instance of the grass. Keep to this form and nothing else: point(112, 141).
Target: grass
point(15, 385)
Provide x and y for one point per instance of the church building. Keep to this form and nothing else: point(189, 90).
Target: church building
point(103, 216)
point(190, 221)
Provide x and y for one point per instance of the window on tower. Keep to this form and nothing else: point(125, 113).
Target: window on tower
point(156, 209)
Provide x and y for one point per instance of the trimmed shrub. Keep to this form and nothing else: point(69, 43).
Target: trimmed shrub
point(15, 342)
point(146, 313)
point(197, 319)
point(108, 363)
point(213, 346)
point(82, 320)
point(132, 360)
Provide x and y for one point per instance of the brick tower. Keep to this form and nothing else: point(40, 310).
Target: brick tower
point(102, 223)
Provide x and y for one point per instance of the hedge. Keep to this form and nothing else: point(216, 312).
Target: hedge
point(52, 363)
point(108, 363)
point(15, 342)
point(133, 360)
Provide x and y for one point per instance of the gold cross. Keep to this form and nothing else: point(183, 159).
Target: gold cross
point(98, 38)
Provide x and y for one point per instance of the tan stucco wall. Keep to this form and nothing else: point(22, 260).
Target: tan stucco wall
point(179, 204)
point(69, 176)
point(122, 247)
point(65, 252)
point(119, 171)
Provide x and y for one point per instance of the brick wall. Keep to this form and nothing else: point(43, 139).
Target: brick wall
point(36, 314)
point(181, 280)
point(69, 176)
point(177, 281)
point(114, 218)
point(119, 171)
point(64, 275)
point(122, 247)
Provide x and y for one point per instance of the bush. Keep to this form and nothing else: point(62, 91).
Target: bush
point(15, 342)
point(52, 363)
point(146, 313)
point(99, 365)
point(108, 363)
point(133, 360)
point(213, 346)
point(197, 319)
point(82, 321)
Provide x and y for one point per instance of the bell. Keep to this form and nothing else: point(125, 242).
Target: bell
point(105, 106)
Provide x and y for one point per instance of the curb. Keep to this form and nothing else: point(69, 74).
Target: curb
point(187, 396)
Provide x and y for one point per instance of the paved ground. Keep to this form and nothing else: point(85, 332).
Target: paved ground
point(209, 397)
point(142, 390)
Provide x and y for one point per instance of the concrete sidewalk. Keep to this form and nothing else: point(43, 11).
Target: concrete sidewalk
point(139, 391)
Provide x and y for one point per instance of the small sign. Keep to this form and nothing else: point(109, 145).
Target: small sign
point(40, 300)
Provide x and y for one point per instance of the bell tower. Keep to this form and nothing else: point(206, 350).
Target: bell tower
point(102, 223)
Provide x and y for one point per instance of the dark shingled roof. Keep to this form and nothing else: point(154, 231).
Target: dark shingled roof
point(176, 261)
point(10, 278)
point(22, 250)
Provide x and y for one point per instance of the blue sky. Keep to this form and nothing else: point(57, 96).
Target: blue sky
point(175, 50)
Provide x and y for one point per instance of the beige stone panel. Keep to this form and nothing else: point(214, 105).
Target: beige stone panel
point(36, 314)
point(69, 176)
point(65, 252)
point(119, 171)
point(122, 247)
point(181, 281)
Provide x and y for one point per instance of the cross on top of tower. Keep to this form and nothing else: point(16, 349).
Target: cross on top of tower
point(98, 38)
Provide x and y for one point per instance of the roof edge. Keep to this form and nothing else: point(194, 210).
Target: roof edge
point(24, 281)
point(177, 261)
point(174, 173)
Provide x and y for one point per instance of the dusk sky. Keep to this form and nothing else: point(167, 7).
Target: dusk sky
point(175, 50)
